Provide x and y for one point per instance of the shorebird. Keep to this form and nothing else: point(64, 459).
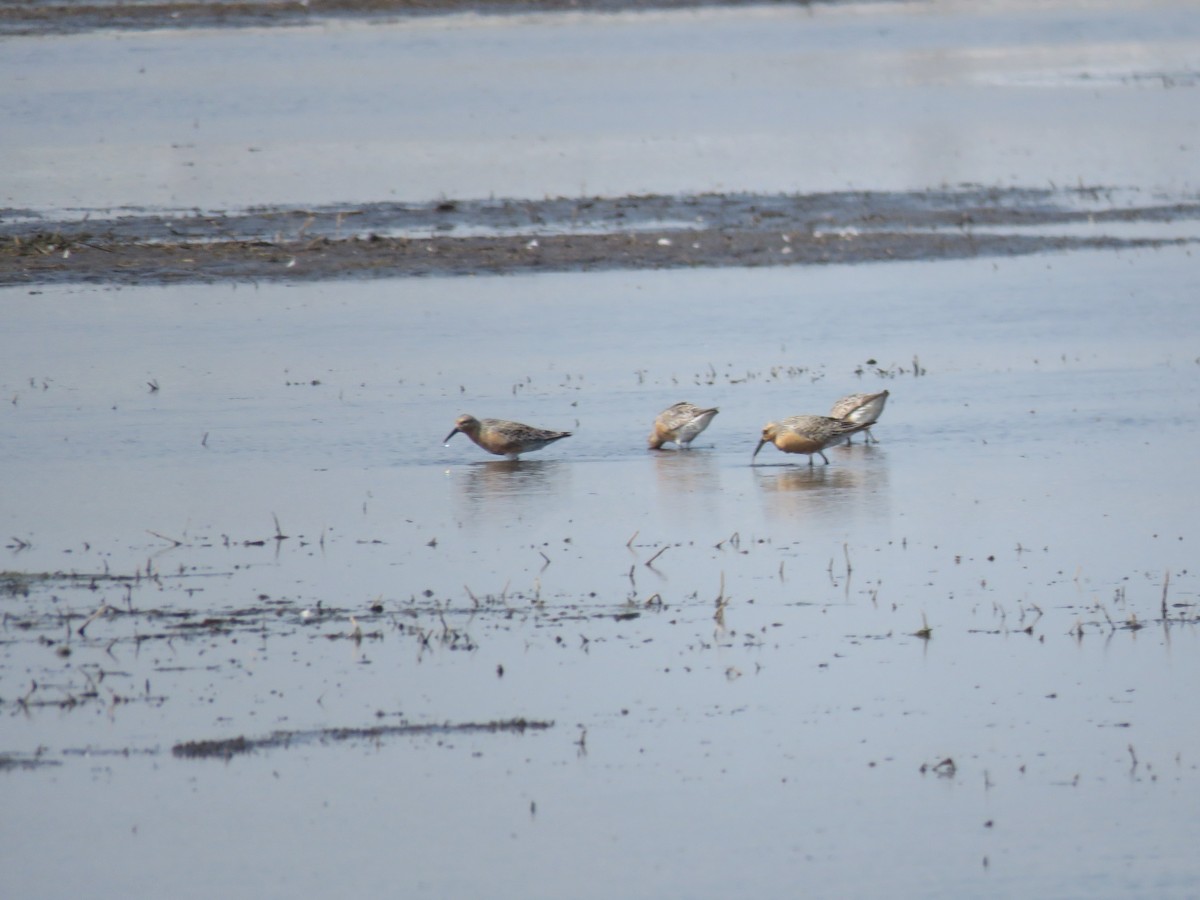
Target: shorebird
point(504, 438)
point(680, 424)
point(806, 434)
point(862, 409)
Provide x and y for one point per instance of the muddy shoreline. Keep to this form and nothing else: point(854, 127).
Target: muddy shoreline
point(65, 18)
point(588, 234)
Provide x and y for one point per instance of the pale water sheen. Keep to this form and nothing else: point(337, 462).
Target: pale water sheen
point(865, 96)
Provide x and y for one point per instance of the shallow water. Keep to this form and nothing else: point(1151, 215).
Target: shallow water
point(1030, 491)
point(877, 96)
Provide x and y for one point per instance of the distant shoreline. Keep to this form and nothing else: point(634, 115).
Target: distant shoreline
point(479, 237)
point(42, 17)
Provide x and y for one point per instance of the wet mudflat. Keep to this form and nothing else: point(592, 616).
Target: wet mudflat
point(263, 634)
point(51, 16)
point(593, 234)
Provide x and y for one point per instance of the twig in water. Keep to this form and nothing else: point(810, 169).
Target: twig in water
point(1166, 584)
point(721, 602)
point(733, 540)
point(279, 535)
point(650, 561)
point(629, 543)
point(169, 540)
point(23, 702)
point(926, 632)
point(946, 767)
point(104, 607)
point(846, 550)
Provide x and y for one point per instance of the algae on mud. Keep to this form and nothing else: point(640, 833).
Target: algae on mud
point(472, 237)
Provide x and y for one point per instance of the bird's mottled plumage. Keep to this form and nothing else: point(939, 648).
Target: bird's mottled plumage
point(806, 434)
point(504, 438)
point(679, 424)
point(862, 409)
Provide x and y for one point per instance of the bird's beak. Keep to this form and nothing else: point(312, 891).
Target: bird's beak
point(450, 435)
point(756, 449)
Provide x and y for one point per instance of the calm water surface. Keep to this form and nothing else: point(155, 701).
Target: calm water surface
point(1030, 491)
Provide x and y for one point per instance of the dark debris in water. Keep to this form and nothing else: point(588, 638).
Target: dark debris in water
point(53, 17)
point(84, 651)
point(13, 761)
point(944, 768)
point(225, 748)
point(82, 642)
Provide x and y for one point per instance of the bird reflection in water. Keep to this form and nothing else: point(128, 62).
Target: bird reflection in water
point(689, 484)
point(815, 480)
point(683, 472)
point(846, 490)
point(505, 480)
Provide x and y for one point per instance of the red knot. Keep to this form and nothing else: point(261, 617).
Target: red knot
point(806, 434)
point(504, 438)
point(680, 424)
point(861, 409)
